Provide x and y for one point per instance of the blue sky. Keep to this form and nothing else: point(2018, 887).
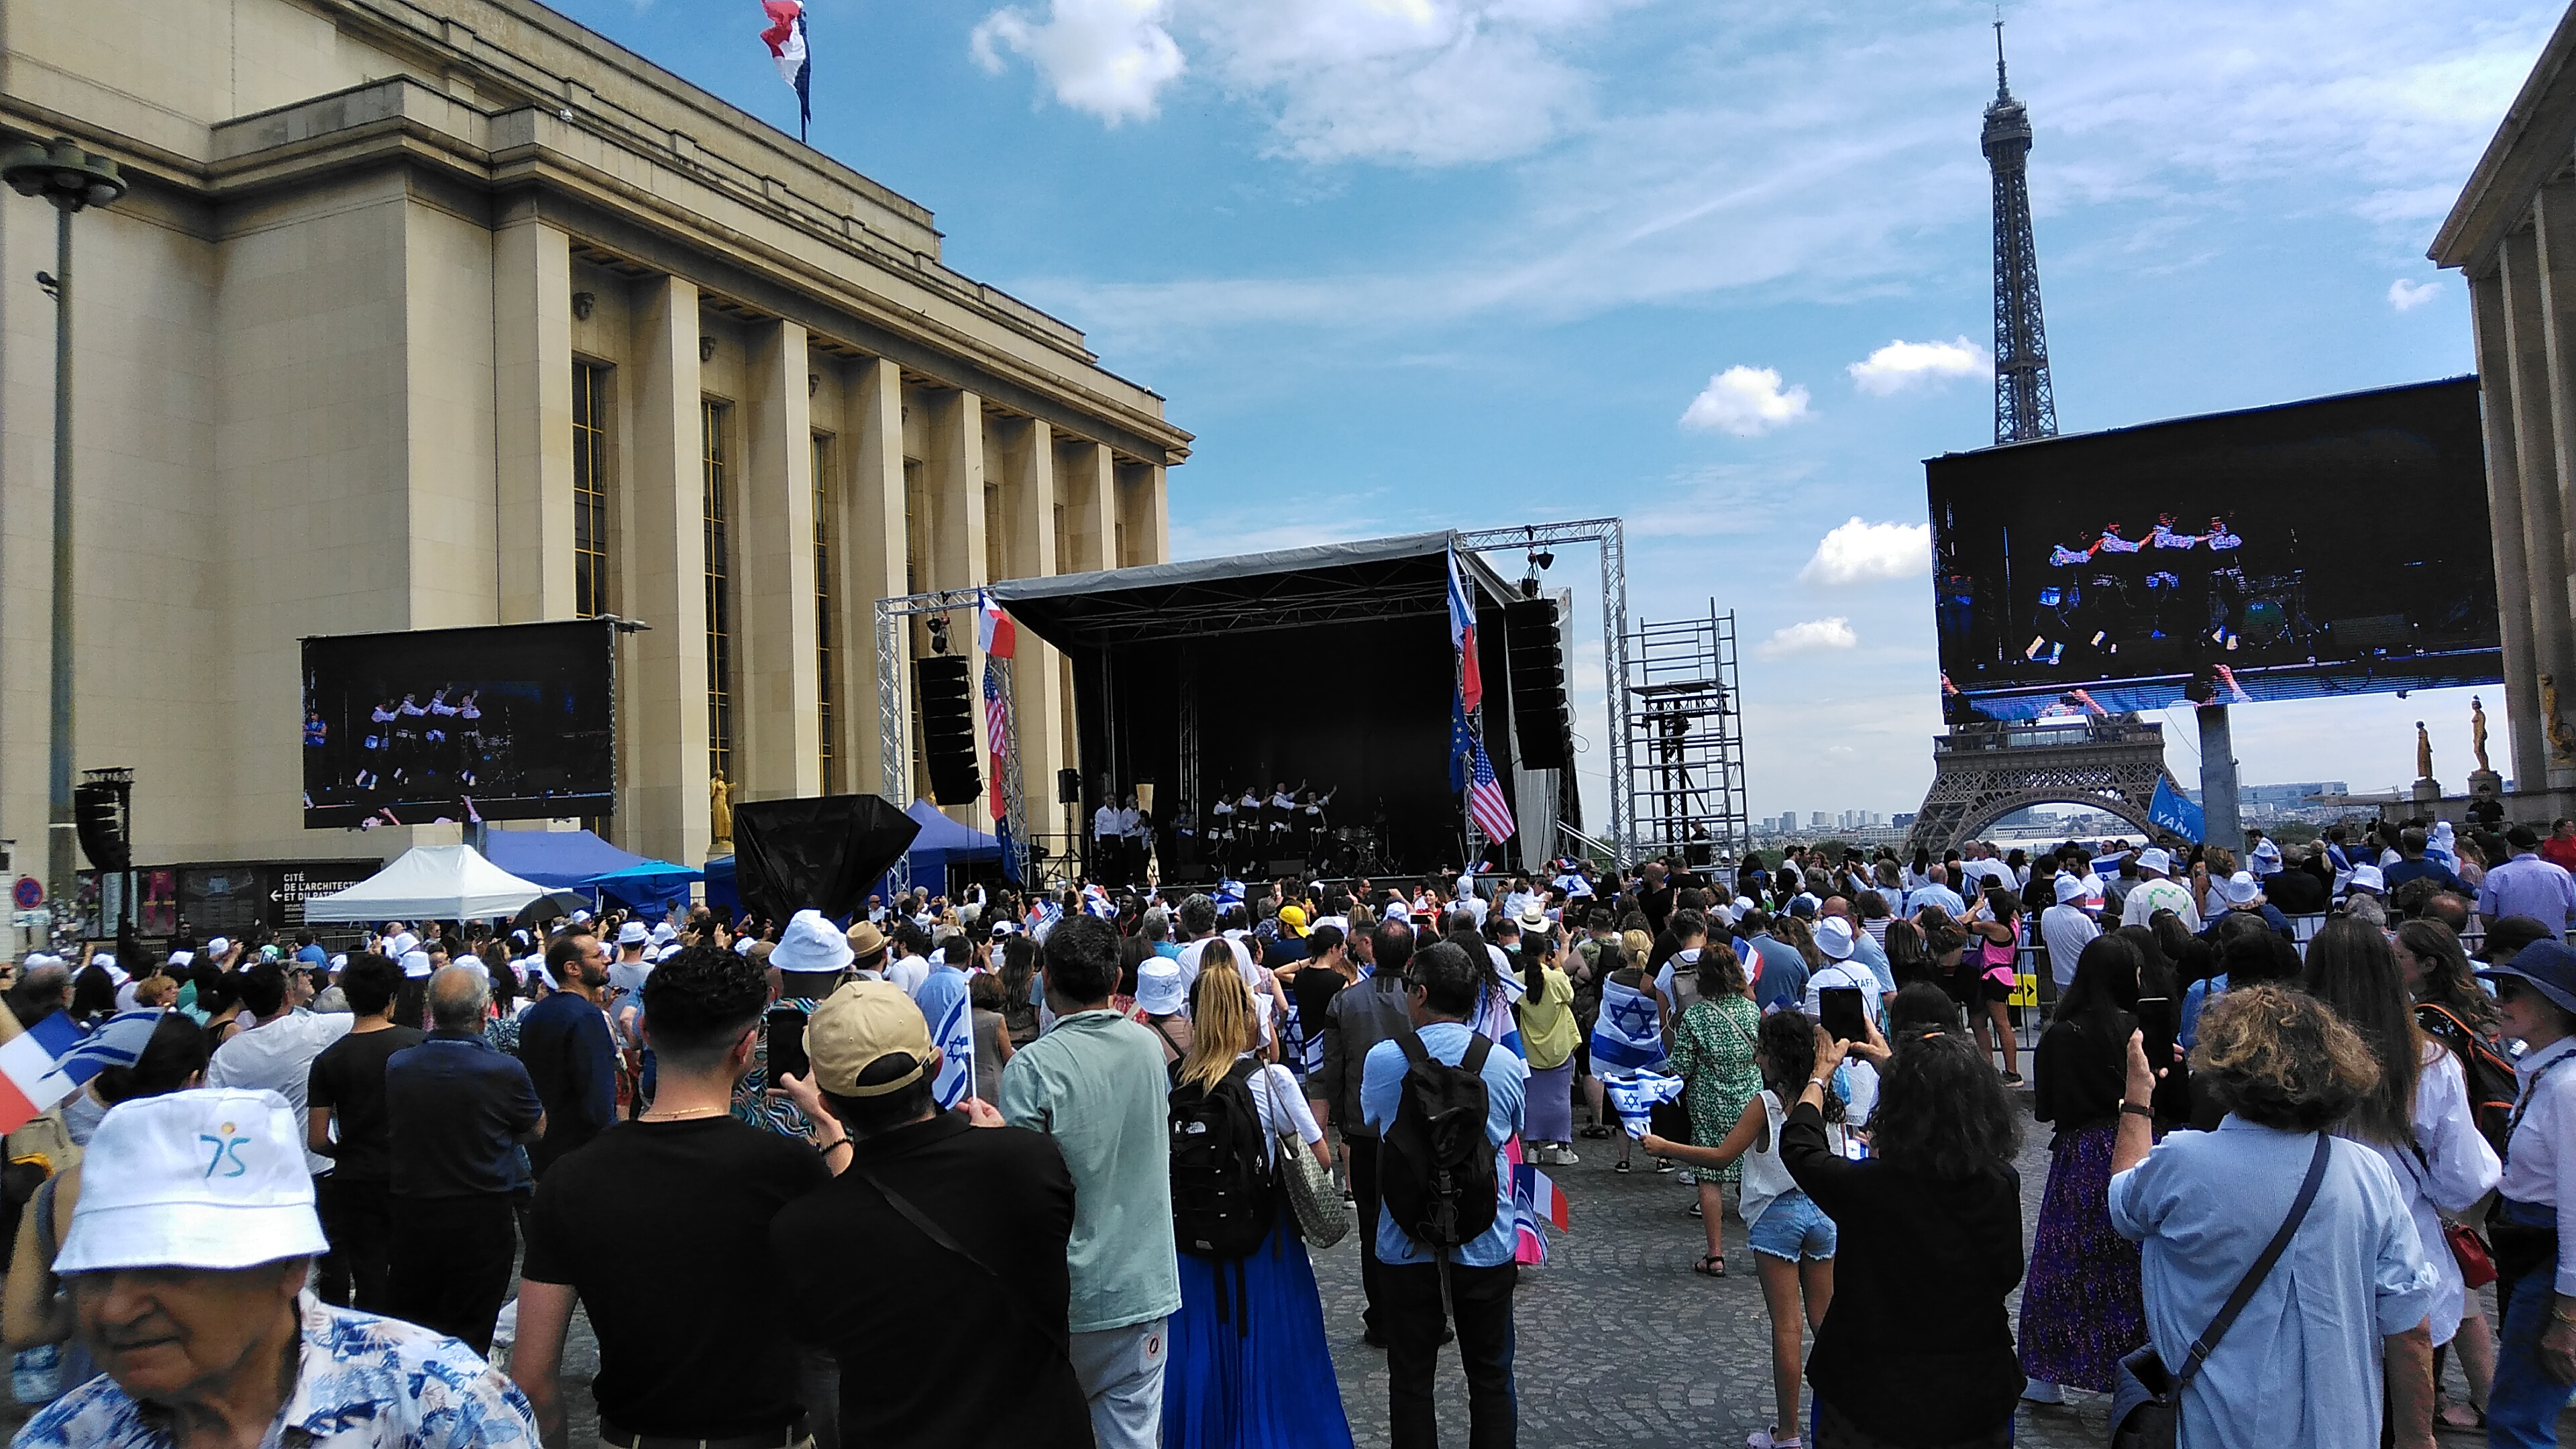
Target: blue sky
point(1412, 263)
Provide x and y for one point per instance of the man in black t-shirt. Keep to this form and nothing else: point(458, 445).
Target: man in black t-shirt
point(696, 1348)
point(569, 1054)
point(346, 1095)
point(933, 1267)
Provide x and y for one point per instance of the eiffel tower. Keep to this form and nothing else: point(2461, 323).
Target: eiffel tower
point(2025, 404)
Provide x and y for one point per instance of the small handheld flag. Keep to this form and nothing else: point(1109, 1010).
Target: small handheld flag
point(786, 38)
point(32, 1078)
point(1636, 1096)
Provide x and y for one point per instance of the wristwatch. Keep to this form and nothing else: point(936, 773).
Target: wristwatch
point(2135, 1110)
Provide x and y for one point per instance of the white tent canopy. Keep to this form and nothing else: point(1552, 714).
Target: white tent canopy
point(429, 882)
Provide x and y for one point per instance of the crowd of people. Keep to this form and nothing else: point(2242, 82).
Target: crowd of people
point(745, 1153)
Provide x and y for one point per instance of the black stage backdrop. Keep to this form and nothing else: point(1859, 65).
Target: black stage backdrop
point(1327, 665)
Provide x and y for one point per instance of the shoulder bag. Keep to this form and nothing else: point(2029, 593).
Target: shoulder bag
point(2146, 1398)
point(1322, 1219)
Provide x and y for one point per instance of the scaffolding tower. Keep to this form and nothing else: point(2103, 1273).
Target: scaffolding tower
point(1685, 752)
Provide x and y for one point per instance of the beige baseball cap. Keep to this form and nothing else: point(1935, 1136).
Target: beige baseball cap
point(860, 1025)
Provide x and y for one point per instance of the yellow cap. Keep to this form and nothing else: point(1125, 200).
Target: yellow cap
point(860, 1025)
point(1292, 919)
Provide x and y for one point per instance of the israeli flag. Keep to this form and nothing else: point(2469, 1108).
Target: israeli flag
point(954, 1035)
point(1635, 1096)
point(1630, 1031)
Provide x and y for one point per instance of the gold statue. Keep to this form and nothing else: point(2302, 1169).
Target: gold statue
point(2423, 752)
point(719, 809)
point(2562, 741)
point(2478, 734)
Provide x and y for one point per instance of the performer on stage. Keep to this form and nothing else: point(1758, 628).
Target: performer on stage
point(408, 721)
point(1276, 819)
point(1310, 814)
point(2226, 583)
point(1138, 826)
point(469, 716)
point(1249, 834)
point(1220, 831)
point(1108, 844)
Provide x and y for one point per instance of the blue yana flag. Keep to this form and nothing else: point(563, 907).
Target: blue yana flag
point(1635, 1096)
point(2170, 811)
point(953, 1032)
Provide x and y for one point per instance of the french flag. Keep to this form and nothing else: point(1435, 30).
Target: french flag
point(1536, 1192)
point(995, 634)
point(33, 1075)
point(1462, 636)
point(786, 38)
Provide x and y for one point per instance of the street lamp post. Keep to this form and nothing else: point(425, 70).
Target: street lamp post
point(71, 178)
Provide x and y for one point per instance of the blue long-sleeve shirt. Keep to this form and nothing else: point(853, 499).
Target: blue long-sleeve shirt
point(1506, 1085)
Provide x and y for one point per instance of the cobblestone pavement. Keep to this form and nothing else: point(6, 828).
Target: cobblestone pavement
point(1619, 1342)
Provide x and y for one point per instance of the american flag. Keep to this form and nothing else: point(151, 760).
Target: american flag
point(997, 730)
point(1485, 802)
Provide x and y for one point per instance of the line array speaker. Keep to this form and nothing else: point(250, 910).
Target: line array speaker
point(1542, 722)
point(948, 744)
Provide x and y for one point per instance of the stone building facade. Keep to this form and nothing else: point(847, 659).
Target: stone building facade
point(432, 313)
point(2512, 233)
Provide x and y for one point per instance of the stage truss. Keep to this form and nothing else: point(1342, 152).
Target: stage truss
point(1689, 787)
point(1611, 535)
point(893, 720)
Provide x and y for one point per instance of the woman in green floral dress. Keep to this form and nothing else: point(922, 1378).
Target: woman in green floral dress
point(1713, 1049)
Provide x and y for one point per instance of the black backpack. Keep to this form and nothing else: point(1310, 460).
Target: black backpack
point(1223, 1200)
point(1435, 1165)
point(2493, 1086)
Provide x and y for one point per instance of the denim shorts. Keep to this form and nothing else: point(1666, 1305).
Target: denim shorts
point(1793, 1227)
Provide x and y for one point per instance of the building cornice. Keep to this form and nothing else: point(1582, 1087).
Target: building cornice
point(2532, 147)
point(844, 282)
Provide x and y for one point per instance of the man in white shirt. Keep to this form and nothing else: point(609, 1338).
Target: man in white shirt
point(910, 965)
point(2158, 891)
point(2065, 927)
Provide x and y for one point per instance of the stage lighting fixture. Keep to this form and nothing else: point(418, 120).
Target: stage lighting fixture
point(1544, 558)
point(939, 633)
point(1529, 587)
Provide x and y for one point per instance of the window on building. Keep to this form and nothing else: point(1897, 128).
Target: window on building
point(590, 490)
point(715, 512)
point(824, 679)
point(997, 534)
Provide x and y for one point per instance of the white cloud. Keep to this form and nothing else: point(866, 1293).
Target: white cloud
point(1111, 58)
point(1745, 401)
point(1809, 638)
point(2406, 296)
point(1858, 553)
point(1900, 365)
point(1816, 153)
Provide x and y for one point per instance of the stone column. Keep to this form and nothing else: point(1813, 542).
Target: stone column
point(2553, 646)
point(1086, 484)
point(953, 488)
point(665, 707)
point(1146, 511)
point(871, 560)
point(532, 416)
point(2505, 521)
point(1028, 471)
point(781, 681)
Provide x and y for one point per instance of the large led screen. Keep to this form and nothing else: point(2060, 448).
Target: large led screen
point(2325, 547)
point(515, 722)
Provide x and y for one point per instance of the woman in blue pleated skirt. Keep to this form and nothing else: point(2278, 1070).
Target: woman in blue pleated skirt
point(1248, 1368)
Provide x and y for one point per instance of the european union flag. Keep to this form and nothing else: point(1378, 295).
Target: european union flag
point(1462, 746)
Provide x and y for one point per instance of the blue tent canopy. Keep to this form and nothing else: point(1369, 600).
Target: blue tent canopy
point(942, 843)
point(653, 883)
point(556, 859)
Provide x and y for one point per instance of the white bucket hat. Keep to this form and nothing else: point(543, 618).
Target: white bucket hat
point(156, 1194)
point(811, 944)
point(1158, 987)
point(1834, 937)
